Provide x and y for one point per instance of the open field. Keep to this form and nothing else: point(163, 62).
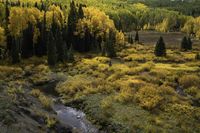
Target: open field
point(171, 38)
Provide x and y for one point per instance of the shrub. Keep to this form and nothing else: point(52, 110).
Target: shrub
point(189, 80)
point(149, 97)
point(15, 93)
point(193, 91)
point(50, 121)
point(126, 95)
point(46, 101)
point(35, 92)
point(197, 56)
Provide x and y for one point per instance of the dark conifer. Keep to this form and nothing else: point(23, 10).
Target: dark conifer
point(16, 55)
point(160, 49)
point(137, 37)
point(189, 43)
point(51, 49)
point(72, 20)
point(184, 44)
point(110, 42)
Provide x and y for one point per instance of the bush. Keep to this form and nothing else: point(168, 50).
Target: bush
point(35, 92)
point(189, 80)
point(149, 97)
point(197, 56)
point(50, 121)
point(46, 101)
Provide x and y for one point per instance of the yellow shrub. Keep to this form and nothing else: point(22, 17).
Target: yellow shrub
point(35, 92)
point(50, 121)
point(46, 101)
point(149, 97)
point(126, 95)
point(189, 80)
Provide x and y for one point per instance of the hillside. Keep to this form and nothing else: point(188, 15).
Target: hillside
point(99, 66)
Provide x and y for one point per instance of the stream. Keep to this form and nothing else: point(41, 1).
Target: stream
point(73, 118)
point(67, 116)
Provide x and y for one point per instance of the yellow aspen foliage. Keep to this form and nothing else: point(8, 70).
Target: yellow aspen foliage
point(120, 38)
point(56, 13)
point(96, 21)
point(192, 26)
point(20, 18)
point(164, 26)
point(2, 36)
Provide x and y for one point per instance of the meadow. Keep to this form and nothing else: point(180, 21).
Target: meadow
point(111, 66)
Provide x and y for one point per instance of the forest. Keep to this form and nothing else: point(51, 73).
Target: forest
point(99, 66)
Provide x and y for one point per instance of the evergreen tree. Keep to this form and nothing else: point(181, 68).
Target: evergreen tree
point(137, 37)
point(51, 49)
point(189, 43)
point(8, 36)
point(70, 54)
point(60, 44)
point(110, 41)
point(131, 38)
point(27, 42)
point(160, 49)
point(72, 20)
point(16, 42)
point(184, 44)
point(80, 12)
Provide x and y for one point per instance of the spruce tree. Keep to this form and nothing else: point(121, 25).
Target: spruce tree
point(71, 25)
point(70, 54)
point(184, 44)
point(110, 41)
point(80, 12)
point(160, 49)
point(189, 43)
point(137, 37)
point(51, 49)
point(15, 50)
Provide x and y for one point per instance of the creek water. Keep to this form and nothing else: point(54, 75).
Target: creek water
point(74, 118)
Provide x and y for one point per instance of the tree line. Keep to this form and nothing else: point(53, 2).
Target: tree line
point(56, 31)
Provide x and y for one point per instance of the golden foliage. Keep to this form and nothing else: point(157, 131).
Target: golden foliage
point(54, 12)
point(189, 80)
point(149, 97)
point(2, 36)
point(96, 22)
point(20, 18)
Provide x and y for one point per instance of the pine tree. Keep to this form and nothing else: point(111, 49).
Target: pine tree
point(51, 49)
point(60, 47)
point(15, 50)
point(70, 54)
point(137, 37)
point(110, 41)
point(184, 44)
point(71, 25)
point(160, 49)
point(189, 43)
point(131, 38)
point(80, 12)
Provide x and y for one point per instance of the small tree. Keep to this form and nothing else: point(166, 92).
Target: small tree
point(110, 41)
point(51, 49)
point(15, 50)
point(160, 49)
point(184, 44)
point(189, 43)
point(137, 37)
point(70, 54)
